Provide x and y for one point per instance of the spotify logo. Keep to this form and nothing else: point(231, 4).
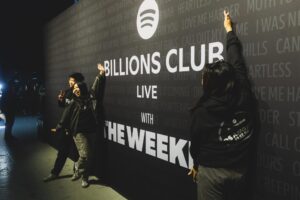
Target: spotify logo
point(147, 19)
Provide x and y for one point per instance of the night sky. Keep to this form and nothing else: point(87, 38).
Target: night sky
point(21, 34)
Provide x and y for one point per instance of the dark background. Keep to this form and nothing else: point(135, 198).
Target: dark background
point(22, 36)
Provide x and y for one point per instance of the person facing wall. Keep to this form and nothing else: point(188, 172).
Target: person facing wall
point(223, 127)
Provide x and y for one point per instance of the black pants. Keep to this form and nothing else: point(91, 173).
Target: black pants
point(221, 183)
point(10, 120)
point(65, 147)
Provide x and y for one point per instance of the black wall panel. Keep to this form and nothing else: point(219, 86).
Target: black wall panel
point(147, 112)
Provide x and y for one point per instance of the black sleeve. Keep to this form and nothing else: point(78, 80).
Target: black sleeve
point(65, 118)
point(97, 89)
point(61, 103)
point(4, 100)
point(236, 59)
point(68, 95)
point(195, 130)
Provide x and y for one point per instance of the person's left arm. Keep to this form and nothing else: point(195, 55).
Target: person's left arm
point(97, 89)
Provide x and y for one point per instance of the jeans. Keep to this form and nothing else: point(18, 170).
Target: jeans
point(84, 144)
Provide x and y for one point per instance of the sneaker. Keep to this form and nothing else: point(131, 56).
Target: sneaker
point(84, 183)
point(76, 175)
point(50, 177)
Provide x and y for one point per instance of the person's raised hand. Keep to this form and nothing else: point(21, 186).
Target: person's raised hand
point(101, 69)
point(227, 22)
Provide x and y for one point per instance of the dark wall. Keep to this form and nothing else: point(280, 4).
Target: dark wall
point(148, 134)
point(22, 35)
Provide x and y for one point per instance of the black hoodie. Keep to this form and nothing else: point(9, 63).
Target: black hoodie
point(223, 128)
point(81, 115)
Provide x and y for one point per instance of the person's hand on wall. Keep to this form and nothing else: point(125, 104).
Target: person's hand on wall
point(193, 172)
point(227, 22)
point(101, 69)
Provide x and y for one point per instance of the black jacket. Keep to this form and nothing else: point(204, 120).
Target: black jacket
point(223, 128)
point(8, 102)
point(67, 98)
point(71, 115)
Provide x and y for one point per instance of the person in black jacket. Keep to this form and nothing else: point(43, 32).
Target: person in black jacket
point(65, 140)
point(8, 107)
point(65, 97)
point(81, 120)
point(223, 125)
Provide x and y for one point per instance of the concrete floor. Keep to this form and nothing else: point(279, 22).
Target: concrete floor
point(25, 162)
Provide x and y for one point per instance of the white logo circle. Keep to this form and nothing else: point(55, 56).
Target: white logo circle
point(147, 19)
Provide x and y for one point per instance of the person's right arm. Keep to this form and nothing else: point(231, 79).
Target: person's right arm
point(61, 100)
point(234, 50)
point(65, 118)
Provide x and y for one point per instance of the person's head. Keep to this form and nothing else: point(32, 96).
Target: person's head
point(80, 89)
point(218, 78)
point(74, 78)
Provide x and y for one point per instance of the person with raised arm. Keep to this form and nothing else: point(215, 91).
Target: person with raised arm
point(81, 119)
point(223, 126)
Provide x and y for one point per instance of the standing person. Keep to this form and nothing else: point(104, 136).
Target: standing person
point(80, 118)
point(65, 140)
point(223, 126)
point(8, 107)
point(64, 98)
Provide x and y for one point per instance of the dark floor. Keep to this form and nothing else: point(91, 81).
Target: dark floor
point(24, 163)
